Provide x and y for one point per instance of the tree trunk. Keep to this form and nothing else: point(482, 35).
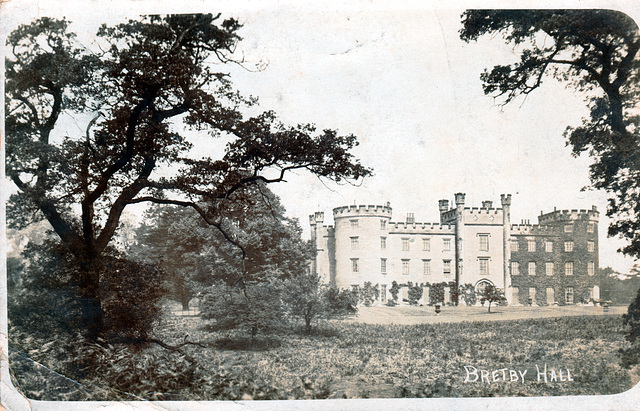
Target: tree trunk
point(91, 305)
point(307, 321)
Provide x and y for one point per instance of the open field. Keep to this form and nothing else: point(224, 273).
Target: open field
point(426, 315)
point(354, 360)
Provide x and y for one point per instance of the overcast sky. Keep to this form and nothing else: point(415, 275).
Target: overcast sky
point(409, 88)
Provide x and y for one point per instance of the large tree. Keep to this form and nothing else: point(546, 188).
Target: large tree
point(592, 51)
point(144, 81)
point(194, 254)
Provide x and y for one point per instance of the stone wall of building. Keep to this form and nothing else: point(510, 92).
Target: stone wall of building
point(358, 232)
point(473, 245)
point(566, 258)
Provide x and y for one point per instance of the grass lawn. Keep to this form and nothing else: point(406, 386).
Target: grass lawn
point(405, 314)
point(346, 359)
point(353, 360)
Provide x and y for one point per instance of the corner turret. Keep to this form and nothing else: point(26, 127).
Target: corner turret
point(505, 200)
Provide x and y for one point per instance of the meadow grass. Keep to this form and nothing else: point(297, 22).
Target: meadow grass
point(350, 360)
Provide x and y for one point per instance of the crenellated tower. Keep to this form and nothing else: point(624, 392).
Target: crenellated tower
point(359, 229)
point(459, 240)
point(505, 200)
point(322, 236)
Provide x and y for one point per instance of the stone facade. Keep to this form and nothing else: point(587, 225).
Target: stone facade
point(554, 261)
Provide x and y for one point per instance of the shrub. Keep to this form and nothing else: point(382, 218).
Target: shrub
point(49, 300)
point(415, 294)
point(453, 291)
point(436, 293)
point(131, 298)
point(253, 307)
point(340, 302)
point(394, 290)
point(468, 293)
point(369, 294)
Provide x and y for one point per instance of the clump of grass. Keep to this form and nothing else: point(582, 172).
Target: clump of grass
point(247, 344)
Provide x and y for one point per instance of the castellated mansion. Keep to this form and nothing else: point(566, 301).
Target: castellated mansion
point(552, 262)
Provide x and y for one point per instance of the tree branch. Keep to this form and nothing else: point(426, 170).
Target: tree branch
point(580, 64)
point(34, 112)
point(121, 202)
point(198, 209)
point(127, 155)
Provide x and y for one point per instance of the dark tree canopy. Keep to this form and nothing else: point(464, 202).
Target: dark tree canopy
point(593, 51)
point(195, 254)
point(138, 92)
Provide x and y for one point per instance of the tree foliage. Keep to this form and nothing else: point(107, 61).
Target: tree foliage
point(135, 96)
point(631, 320)
point(619, 288)
point(491, 294)
point(340, 302)
point(49, 303)
point(304, 297)
point(254, 308)
point(194, 254)
point(592, 51)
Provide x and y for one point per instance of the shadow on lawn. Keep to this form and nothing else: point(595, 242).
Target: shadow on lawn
point(247, 343)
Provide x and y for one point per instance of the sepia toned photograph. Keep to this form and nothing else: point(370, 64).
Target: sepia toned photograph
point(211, 204)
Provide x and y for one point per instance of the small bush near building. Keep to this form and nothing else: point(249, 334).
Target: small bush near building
point(436, 293)
point(468, 294)
point(341, 302)
point(415, 294)
point(394, 290)
point(369, 294)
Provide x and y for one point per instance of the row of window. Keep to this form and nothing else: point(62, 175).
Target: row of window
point(550, 268)
point(568, 228)
point(356, 224)
point(483, 244)
point(483, 267)
point(406, 265)
point(426, 244)
point(550, 294)
point(548, 246)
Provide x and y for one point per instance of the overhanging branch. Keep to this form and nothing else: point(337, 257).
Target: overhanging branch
point(198, 209)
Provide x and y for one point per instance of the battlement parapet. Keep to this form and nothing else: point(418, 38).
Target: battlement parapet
point(569, 215)
point(362, 211)
point(420, 228)
point(448, 215)
point(316, 218)
point(532, 229)
point(482, 210)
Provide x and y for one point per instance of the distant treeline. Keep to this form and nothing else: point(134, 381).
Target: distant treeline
point(619, 289)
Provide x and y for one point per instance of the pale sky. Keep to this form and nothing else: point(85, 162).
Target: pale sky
point(409, 88)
